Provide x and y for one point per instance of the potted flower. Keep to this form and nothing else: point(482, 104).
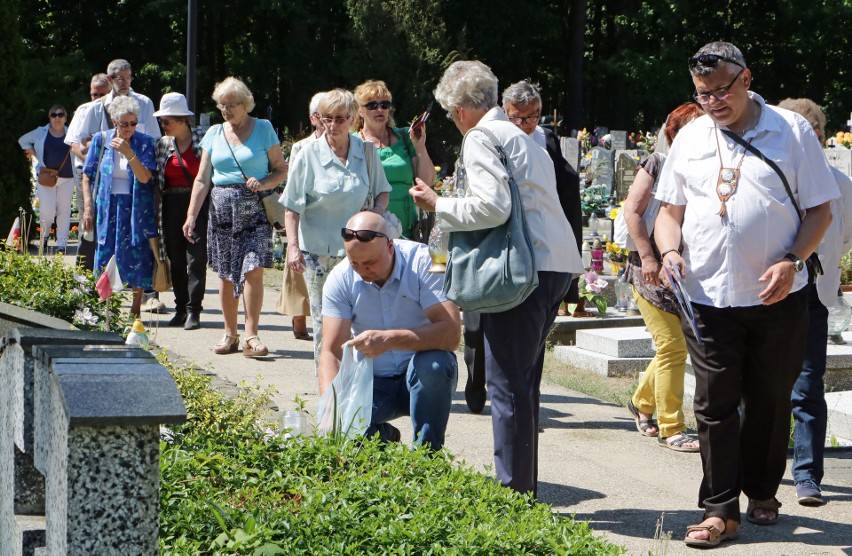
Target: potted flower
point(591, 287)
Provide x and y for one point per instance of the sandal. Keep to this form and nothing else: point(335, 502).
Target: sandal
point(228, 344)
point(300, 332)
point(642, 424)
point(676, 442)
point(716, 537)
point(770, 505)
point(256, 350)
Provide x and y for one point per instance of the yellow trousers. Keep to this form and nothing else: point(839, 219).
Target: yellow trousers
point(661, 387)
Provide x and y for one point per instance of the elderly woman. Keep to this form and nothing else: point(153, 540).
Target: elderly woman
point(331, 180)
point(124, 200)
point(661, 387)
point(178, 162)
point(241, 161)
point(293, 299)
point(514, 339)
point(47, 145)
point(402, 149)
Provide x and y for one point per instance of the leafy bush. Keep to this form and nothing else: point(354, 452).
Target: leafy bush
point(229, 486)
point(48, 285)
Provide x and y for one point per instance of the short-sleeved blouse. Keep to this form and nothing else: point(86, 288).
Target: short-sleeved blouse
point(252, 155)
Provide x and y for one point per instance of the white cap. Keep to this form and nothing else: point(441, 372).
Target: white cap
point(173, 104)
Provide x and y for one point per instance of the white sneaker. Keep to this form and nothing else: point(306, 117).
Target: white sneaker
point(154, 305)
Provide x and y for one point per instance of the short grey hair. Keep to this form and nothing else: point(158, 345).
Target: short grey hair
point(99, 80)
point(809, 110)
point(313, 106)
point(122, 106)
point(719, 48)
point(338, 100)
point(467, 84)
point(117, 65)
point(233, 86)
point(522, 93)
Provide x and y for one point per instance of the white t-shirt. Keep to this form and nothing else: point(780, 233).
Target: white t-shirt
point(122, 176)
point(725, 257)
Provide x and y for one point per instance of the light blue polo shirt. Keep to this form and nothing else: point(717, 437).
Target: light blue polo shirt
point(326, 193)
point(399, 304)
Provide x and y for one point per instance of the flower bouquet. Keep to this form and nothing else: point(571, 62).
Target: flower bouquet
point(591, 287)
point(617, 256)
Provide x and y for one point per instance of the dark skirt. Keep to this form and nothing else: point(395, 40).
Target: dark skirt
point(239, 237)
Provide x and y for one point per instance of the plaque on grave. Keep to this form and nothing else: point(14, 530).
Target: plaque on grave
point(625, 172)
point(619, 140)
point(571, 151)
point(600, 170)
point(840, 158)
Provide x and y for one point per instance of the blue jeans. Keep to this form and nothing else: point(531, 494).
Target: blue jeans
point(424, 391)
point(809, 410)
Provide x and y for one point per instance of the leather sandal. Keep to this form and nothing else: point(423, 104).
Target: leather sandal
point(642, 425)
point(676, 442)
point(228, 344)
point(256, 350)
point(716, 537)
point(770, 505)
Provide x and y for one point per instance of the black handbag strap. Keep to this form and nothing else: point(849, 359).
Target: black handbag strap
point(224, 138)
point(183, 166)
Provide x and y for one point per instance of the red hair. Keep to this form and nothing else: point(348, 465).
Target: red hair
point(679, 117)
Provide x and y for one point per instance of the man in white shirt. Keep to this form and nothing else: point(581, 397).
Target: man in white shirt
point(744, 248)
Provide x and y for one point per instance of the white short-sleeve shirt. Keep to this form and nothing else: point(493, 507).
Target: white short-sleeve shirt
point(725, 257)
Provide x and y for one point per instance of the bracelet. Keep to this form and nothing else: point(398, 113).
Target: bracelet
point(666, 252)
point(132, 158)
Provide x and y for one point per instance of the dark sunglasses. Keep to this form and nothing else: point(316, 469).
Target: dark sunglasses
point(361, 235)
point(166, 121)
point(57, 114)
point(374, 104)
point(128, 124)
point(711, 61)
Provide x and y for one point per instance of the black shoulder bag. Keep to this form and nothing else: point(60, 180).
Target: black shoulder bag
point(813, 264)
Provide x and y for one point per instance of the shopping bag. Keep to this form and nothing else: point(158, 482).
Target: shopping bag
point(346, 406)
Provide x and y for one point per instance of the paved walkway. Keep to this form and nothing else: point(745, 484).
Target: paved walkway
point(592, 462)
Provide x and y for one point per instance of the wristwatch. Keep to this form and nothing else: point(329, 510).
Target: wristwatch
point(799, 263)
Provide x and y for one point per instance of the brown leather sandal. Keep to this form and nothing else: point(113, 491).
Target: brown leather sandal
point(228, 344)
point(770, 505)
point(716, 537)
point(256, 350)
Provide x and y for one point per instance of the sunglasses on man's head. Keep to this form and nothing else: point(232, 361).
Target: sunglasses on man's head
point(375, 104)
point(711, 61)
point(361, 235)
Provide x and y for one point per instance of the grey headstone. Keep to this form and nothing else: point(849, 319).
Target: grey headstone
point(840, 158)
point(619, 139)
point(625, 172)
point(600, 168)
point(571, 151)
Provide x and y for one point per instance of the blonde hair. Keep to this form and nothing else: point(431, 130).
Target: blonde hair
point(809, 110)
point(368, 90)
point(338, 99)
point(233, 86)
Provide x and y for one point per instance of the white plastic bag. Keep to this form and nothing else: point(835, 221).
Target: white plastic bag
point(346, 406)
point(620, 235)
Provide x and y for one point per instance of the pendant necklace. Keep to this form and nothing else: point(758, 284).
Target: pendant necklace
point(726, 184)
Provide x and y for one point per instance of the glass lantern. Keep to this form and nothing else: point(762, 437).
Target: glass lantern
point(839, 317)
point(623, 292)
point(439, 249)
point(593, 224)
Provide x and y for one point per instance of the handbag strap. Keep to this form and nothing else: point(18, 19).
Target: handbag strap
point(186, 173)
point(96, 185)
point(501, 152)
point(232, 153)
point(369, 160)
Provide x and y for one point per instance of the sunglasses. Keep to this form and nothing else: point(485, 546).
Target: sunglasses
point(361, 235)
point(166, 121)
point(57, 114)
point(711, 61)
point(375, 104)
point(127, 124)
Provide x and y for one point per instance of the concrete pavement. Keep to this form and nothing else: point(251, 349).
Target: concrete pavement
point(593, 464)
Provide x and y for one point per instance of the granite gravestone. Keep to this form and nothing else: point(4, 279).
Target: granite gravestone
point(619, 140)
point(600, 171)
point(571, 151)
point(840, 158)
point(625, 172)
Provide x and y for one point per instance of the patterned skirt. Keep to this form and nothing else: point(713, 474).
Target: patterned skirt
point(239, 237)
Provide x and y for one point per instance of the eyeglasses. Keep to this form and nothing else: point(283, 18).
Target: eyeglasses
point(376, 104)
point(719, 94)
point(97, 95)
point(522, 120)
point(361, 235)
point(57, 114)
point(127, 124)
point(122, 78)
point(166, 121)
point(711, 61)
point(229, 107)
point(339, 120)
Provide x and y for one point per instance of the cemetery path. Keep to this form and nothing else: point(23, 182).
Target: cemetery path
point(593, 464)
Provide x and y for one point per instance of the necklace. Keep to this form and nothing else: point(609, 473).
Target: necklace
point(379, 142)
point(726, 184)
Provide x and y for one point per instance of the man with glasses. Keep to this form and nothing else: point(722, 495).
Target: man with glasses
point(730, 226)
point(383, 301)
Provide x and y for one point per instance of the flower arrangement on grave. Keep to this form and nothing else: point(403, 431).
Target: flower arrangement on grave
point(591, 287)
point(74, 232)
point(596, 138)
point(647, 142)
point(594, 198)
point(840, 139)
point(616, 255)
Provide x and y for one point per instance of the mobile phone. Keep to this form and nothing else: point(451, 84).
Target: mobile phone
point(421, 119)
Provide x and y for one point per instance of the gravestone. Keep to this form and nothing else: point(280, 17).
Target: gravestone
point(600, 170)
point(625, 172)
point(840, 158)
point(619, 140)
point(571, 151)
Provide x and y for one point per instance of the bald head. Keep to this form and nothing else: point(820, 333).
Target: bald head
point(368, 221)
point(372, 260)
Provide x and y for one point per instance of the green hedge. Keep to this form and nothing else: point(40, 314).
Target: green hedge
point(231, 486)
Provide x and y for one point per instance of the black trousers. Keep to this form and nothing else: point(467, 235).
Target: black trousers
point(474, 348)
point(188, 260)
point(750, 358)
point(514, 359)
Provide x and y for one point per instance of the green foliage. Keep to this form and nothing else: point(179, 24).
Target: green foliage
point(229, 487)
point(846, 268)
point(48, 285)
